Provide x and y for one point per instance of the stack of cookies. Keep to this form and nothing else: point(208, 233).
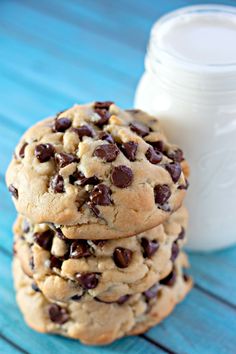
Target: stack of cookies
point(101, 223)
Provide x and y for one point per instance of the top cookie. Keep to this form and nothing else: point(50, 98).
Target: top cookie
point(105, 172)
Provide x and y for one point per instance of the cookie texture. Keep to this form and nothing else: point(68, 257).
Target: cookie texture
point(99, 171)
point(107, 270)
point(96, 322)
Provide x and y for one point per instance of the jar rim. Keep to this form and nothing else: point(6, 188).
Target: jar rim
point(190, 64)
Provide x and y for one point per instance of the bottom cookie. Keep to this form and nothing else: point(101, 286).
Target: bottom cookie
point(94, 322)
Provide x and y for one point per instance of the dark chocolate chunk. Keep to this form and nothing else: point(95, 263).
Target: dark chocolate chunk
point(157, 145)
point(76, 297)
point(94, 209)
point(152, 292)
point(107, 137)
point(104, 117)
point(79, 178)
point(123, 299)
point(44, 239)
point(174, 251)
point(140, 129)
point(162, 193)
point(44, 152)
point(13, 191)
point(122, 257)
point(176, 155)
point(79, 248)
point(55, 262)
point(106, 152)
point(87, 280)
point(170, 279)
point(100, 195)
point(149, 247)
point(122, 176)
point(35, 288)
point(22, 150)
point(64, 159)
point(181, 234)
point(61, 124)
point(129, 149)
point(25, 226)
point(153, 156)
point(58, 314)
point(174, 170)
point(103, 105)
point(84, 130)
point(57, 184)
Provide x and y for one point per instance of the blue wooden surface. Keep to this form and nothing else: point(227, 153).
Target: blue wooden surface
point(52, 54)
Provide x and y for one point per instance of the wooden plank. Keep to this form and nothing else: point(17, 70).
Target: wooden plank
point(72, 38)
point(198, 325)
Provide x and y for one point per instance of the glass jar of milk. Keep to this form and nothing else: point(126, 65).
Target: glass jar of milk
point(190, 84)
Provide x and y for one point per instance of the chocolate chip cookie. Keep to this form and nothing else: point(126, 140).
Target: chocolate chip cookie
point(99, 171)
point(96, 322)
point(106, 269)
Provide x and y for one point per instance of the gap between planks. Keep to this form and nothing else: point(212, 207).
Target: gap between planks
point(12, 344)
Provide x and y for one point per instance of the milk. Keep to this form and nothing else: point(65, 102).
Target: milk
point(190, 84)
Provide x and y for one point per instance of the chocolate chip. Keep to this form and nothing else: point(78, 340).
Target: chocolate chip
point(104, 116)
point(181, 234)
point(162, 193)
point(174, 170)
point(64, 159)
point(170, 279)
point(174, 251)
point(157, 145)
point(25, 226)
point(107, 137)
point(13, 191)
point(139, 128)
point(184, 186)
point(151, 292)
point(44, 152)
point(120, 301)
point(123, 299)
point(122, 176)
point(87, 280)
point(35, 288)
point(100, 195)
point(55, 262)
point(61, 124)
point(84, 130)
point(76, 297)
point(57, 184)
point(59, 234)
point(176, 155)
point(107, 152)
point(31, 263)
point(94, 209)
point(79, 248)
point(129, 149)
point(44, 239)
point(186, 277)
point(153, 156)
point(104, 105)
point(79, 178)
point(99, 243)
point(149, 247)
point(58, 314)
point(122, 257)
point(22, 150)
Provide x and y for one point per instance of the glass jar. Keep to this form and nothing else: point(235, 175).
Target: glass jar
point(196, 103)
